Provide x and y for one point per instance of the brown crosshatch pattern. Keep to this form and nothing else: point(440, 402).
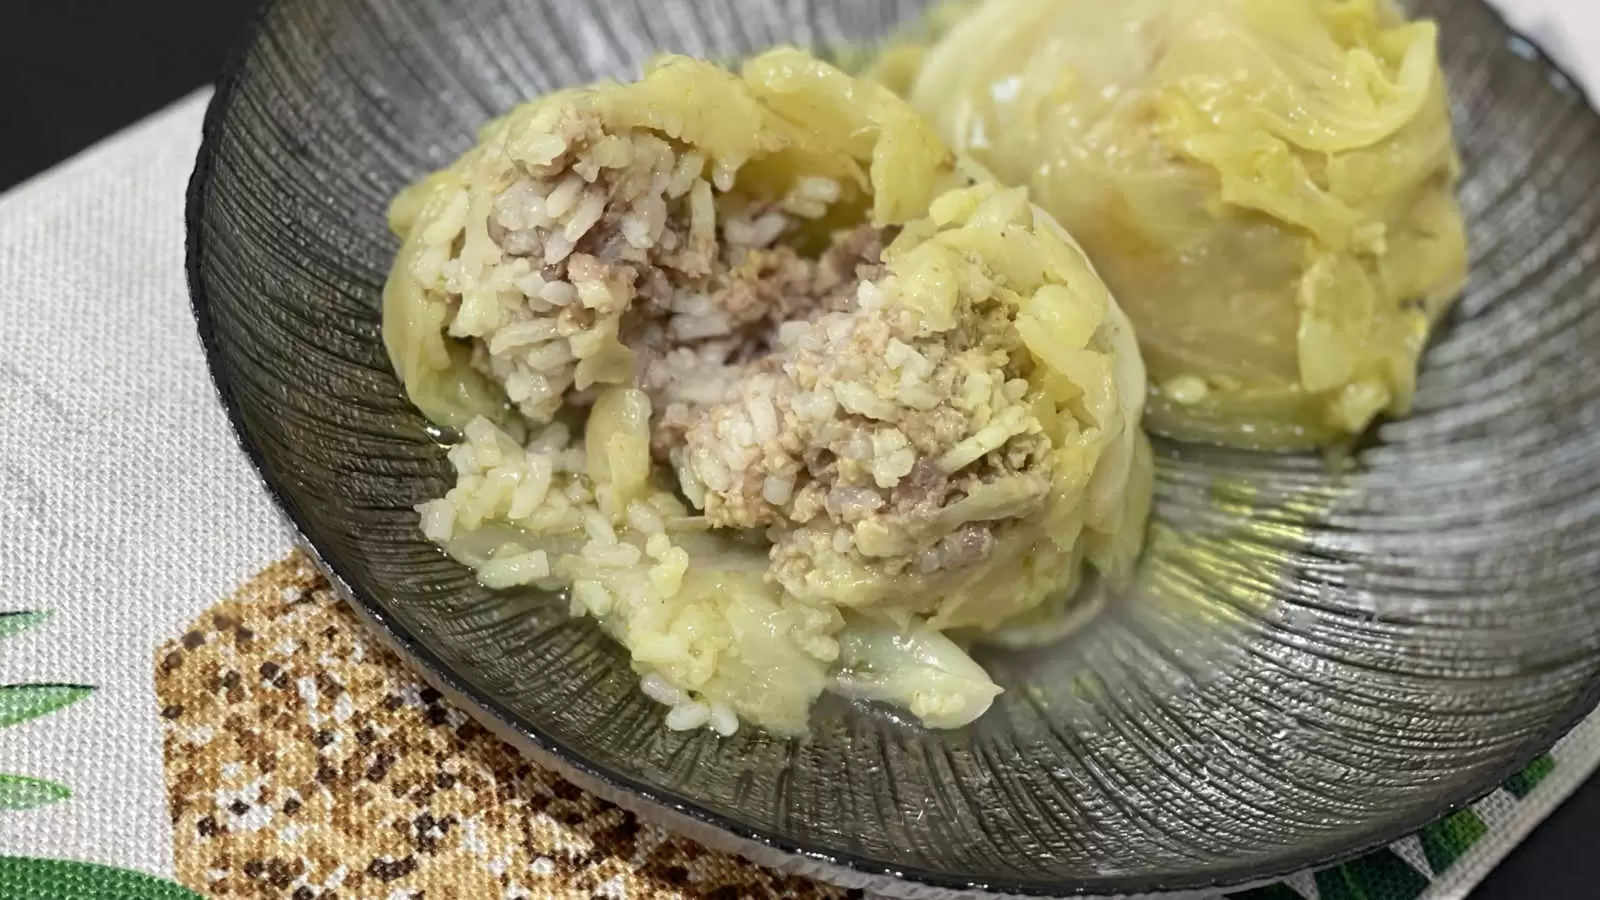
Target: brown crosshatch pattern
point(303, 760)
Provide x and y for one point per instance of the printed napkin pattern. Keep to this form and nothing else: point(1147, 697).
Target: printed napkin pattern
point(150, 514)
point(303, 760)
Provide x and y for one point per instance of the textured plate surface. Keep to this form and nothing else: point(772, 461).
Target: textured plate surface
point(1312, 662)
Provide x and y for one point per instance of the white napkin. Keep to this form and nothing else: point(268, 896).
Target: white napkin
point(127, 508)
point(1567, 29)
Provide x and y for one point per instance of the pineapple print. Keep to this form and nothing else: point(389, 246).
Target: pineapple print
point(1403, 871)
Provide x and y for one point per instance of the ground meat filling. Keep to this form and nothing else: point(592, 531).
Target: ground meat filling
point(869, 438)
point(693, 357)
point(789, 392)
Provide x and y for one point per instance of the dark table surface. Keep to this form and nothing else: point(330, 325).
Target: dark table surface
point(74, 71)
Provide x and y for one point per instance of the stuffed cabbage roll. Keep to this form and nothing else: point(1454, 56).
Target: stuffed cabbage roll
point(748, 368)
point(1266, 186)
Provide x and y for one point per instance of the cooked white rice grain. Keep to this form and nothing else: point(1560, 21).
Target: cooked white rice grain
point(596, 294)
point(688, 716)
point(790, 334)
point(532, 490)
point(593, 597)
point(657, 545)
point(586, 344)
point(814, 406)
point(558, 293)
point(723, 720)
point(815, 187)
point(662, 691)
point(761, 232)
point(543, 149)
point(805, 209)
point(863, 401)
point(616, 555)
point(519, 206)
point(643, 519)
point(438, 520)
point(725, 173)
point(667, 576)
point(643, 227)
point(585, 216)
point(918, 396)
point(712, 472)
point(700, 327)
point(870, 296)
point(464, 459)
point(565, 197)
point(690, 167)
point(579, 493)
point(777, 490)
point(763, 417)
point(531, 285)
point(598, 528)
point(522, 334)
point(547, 357)
point(512, 571)
point(842, 541)
point(702, 213)
point(557, 248)
point(553, 437)
point(519, 387)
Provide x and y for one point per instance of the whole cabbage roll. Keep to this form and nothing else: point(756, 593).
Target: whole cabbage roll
point(1266, 186)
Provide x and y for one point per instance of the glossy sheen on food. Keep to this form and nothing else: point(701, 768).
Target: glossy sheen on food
point(1434, 620)
point(1266, 185)
point(833, 402)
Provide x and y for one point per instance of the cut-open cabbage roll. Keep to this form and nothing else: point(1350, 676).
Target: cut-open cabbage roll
point(752, 372)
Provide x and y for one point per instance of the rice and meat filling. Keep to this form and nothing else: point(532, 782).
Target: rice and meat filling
point(833, 400)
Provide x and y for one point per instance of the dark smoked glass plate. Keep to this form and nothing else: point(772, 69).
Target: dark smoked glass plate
point(1313, 662)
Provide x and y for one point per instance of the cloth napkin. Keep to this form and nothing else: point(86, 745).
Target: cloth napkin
point(181, 701)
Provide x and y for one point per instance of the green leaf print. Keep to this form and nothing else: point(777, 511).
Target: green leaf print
point(1380, 875)
point(1446, 840)
point(20, 792)
point(22, 702)
point(17, 622)
point(23, 878)
point(48, 879)
point(1523, 783)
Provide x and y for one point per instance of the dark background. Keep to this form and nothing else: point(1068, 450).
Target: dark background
point(74, 71)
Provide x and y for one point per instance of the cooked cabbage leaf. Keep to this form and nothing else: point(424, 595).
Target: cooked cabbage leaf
point(1266, 186)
